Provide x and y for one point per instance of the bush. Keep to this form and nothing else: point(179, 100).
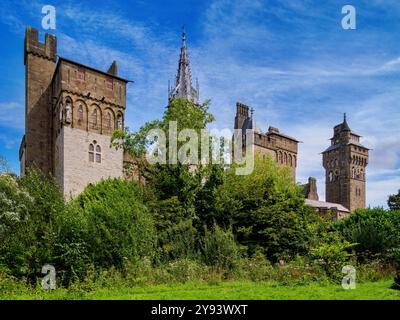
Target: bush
point(119, 226)
point(219, 248)
point(267, 210)
point(332, 254)
point(376, 231)
point(35, 202)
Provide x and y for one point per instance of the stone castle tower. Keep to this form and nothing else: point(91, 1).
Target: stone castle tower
point(280, 147)
point(71, 112)
point(345, 163)
point(183, 84)
point(40, 61)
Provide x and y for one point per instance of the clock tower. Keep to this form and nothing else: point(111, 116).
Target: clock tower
point(345, 162)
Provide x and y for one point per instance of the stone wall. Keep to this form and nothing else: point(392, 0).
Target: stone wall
point(76, 171)
point(39, 59)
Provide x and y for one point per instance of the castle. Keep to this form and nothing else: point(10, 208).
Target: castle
point(72, 110)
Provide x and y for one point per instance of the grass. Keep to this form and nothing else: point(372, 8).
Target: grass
point(379, 290)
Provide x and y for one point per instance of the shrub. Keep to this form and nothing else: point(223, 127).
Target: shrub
point(119, 226)
point(36, 202)
point(267, 210)
point(332, 254)
point(219, 248)
point(375, 231)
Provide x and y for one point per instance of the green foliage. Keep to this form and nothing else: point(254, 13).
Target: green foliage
point(266, 210)
point(31, 238)
point(119, 227)
point(14, 206)
point(332, 254)
point(394, 201)
point(374, 230)
point(219, 248)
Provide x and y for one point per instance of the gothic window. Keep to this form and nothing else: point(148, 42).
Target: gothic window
point(280, 156)
point(353, 172)
point(294, 161)
point(91, 152)
point(109, 120)
point(330, 176)
point(285, 158)
point(98, 154)
point(290, 160)
point(80, 114)
point(95, 117)
point(119, 122)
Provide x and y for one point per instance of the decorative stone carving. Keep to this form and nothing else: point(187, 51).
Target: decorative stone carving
point(68, 113)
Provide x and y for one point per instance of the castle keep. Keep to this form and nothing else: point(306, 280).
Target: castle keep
point(71, 112)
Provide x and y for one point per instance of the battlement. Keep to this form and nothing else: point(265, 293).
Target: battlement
point(242, 110)
point(47, 50)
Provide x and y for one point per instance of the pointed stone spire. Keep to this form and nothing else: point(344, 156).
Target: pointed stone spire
point(113, 69)
point(345, 126)
point(183, 85)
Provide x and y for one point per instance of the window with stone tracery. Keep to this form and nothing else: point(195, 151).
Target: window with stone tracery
point(91, 152)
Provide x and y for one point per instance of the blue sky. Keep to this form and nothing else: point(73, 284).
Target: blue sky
point(290, 60)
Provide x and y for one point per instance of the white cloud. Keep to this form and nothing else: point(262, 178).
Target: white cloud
point(12, 115)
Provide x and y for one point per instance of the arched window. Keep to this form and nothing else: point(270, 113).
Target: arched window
point(330, 176)
point(98, 154)
point(280, 156)
point(285, 158)
point(290, 160)
point(95, 117)
point(294, 161)
point(80, 113)
point(109, 120)
point(119, 121)
point(353, 172)
point(91, 152)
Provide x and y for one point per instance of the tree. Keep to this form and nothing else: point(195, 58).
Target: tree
point(394, 201)
point(35, 202)
point(375, 231)
point(119, 228)
point(266, 210)
point(172, 190)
